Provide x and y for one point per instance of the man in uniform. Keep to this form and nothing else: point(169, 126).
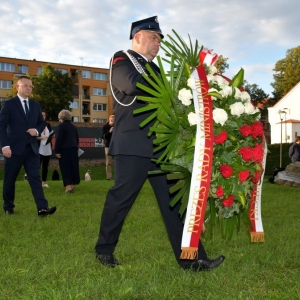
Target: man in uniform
point(133, 150)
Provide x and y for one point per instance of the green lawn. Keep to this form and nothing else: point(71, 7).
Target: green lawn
point(53, 257)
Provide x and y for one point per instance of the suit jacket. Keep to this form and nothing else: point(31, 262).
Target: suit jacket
point(128, 138)
point(14, 124)
point(106, 135)
point(66, 136)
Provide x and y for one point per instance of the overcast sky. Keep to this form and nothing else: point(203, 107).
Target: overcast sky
point(252, 34)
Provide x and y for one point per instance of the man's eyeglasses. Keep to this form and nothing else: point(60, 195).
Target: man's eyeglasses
point(26, 85)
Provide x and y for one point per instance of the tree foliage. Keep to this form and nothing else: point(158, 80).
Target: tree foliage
point(256, 93)
point(53, 90)
point(221, 64)
point(287, 73)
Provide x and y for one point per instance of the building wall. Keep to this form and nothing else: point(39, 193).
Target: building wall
point(91, 107)
point(285, 127)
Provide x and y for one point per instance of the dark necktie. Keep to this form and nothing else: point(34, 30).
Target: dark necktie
point(26, 110)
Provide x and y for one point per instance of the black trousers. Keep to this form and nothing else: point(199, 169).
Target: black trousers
point(31, 163)
point(69, 166)
point(131, 172)
point(44, 161)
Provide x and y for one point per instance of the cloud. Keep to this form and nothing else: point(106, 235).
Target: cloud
point(254, 34)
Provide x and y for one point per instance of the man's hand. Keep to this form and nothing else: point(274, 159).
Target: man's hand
point(58, 155)
point(32, 132)
point(6, 152)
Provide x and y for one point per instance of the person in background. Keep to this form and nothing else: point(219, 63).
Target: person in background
point(132, 149)
point(107, 134)
point(55, 174)
point(45, 150)
point(25, 177)
point(66, 150)
point(87, 175)
point(21, 121)
point(294, 150)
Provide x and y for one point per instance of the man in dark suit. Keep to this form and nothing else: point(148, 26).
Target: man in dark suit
point(21, 121)
point(133, 150)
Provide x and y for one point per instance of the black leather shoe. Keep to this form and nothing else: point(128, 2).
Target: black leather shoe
point(46, 211)
point(108, 260)
point(10, 212)
point(205, 264)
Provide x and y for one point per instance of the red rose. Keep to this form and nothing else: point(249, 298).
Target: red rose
point(221, 138)
point(228, 201)
point(246, 130)
point(257, 129)
point(243, 175)
point(246, 153)
point(257, 176)
point(226, 171)
point(220, 191)
point(258, 152)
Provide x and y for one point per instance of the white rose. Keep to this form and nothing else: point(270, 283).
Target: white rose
point(185, 96)
point(245, 96)
point(226, 91)
point(238, 93)
point(192, 117)
point(210, 78)
point(221, 81)
point(249, 108)
point(191, 82)
point(237, 108)
point(220, 116)
point(212, 70)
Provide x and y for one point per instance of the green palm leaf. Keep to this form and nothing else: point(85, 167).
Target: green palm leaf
point(169, 121)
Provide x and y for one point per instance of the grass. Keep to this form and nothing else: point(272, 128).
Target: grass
point(53, 257)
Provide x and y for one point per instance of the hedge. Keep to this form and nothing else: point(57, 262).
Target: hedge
point(273, 157)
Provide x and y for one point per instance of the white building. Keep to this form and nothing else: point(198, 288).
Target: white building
point(284, 117)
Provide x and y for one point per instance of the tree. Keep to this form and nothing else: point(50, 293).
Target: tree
point(256, 93)
point(287, 73)
point(258, 96)
point(221, 64)
point(53, 90)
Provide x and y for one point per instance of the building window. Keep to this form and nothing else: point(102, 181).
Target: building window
point(99, 92)
point(86, 74)
point(62, 71)
point(40, 70)
point(74, 104)
point(22, 69)
point(75, 119)
point(5, 84)
point(7, 67)
point(99, 106)
point(99, 120)
point(99, 76)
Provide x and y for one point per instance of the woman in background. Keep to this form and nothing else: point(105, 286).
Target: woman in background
point(45, 150)
point(294, 150)
point(66, 150)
